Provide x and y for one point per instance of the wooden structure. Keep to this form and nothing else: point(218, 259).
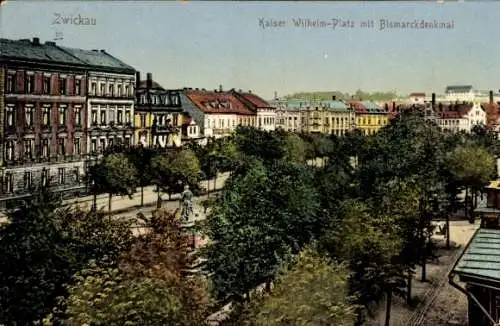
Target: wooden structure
point(479, 264)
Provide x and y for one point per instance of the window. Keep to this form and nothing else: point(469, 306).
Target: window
point(175, 120)
point(28, 179)
point(29, 112)
point(76, 146)
point(94, 145)
point(9, 184)
point(10, 116)
point(45, 148)
point(103, 117)
point(46, 84)
point(94, 116)
point(143, 120)
point(62, 115)
point(78, 116)
point(10, 83)
point(102, 144)
point(30, 83)
point(62, 86)
point(61, 146)
point(128, 117)
point(127, 141)
point(76, 174)
point(60, 176)
point(111, 90)
point(111, 142)
point(78, 86)
point(119, 117)
point(93, 88)
point(45, 177)
point(9, 150)
point(127, 90)
point(119, 90)
point(28, 148)
point(111, 114)
point(46, 115)
point(102, 89)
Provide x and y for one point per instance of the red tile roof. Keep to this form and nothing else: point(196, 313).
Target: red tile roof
point(357, 106)
point(217, 102)
point(454, 111)
point(257, 101)
point(417, 95)
point(492, 112)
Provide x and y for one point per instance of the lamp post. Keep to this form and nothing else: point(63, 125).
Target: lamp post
point(94, 193)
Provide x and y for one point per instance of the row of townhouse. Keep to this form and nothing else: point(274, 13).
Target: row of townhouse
point(58, 106)
point(217, 113)
point(454, 116)
point(62, 107)
point(332, 117)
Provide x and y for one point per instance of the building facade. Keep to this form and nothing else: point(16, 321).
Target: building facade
point(218, 113)
point(265, 113)
point(369, 117)
point(110, 99)
point(48, 92)
point(44, 110)
point(460, 117)
point(158, 114)
point(459, 93)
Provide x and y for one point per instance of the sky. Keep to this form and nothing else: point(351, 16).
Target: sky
point(207, 44)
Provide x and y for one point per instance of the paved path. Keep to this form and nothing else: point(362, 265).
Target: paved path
point(121, 203)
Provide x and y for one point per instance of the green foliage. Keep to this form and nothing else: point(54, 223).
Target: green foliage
point(115, 175)
point(370, 246)
point(294, 149)
point(471, 166)
point(265, 146)
point(274, 210)
point(310, 291)
point(104, 296)
point(146, 287)
point(173, 170)
point(43, 247)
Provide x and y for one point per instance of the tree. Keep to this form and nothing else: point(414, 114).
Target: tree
point(259, 218)
point(103, 296)
point(141, 158)
point(370, 246)
point(42, 247)
point(471, 167)
point(312, 290)
point(114, 175)
point(174, 170)
point(146, 287)
point(294, 149)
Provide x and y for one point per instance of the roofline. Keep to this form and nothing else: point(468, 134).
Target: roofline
point(130, 70)
point(7, 60)
point(462, 254)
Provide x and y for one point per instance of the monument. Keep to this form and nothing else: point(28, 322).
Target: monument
point(186, 205)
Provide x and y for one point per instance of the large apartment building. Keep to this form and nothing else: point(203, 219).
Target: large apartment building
point(46, 95)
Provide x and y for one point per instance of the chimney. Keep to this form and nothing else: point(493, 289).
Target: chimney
point(220, 88)
point(149, 81)
point(334, 98)
point(433, 99)
point(36, 41)
point(137, 79)
point(250, 91)
point(102, 51)
point(95, 50)
point(275, 95)
point(394, 106)
point(491, 97)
